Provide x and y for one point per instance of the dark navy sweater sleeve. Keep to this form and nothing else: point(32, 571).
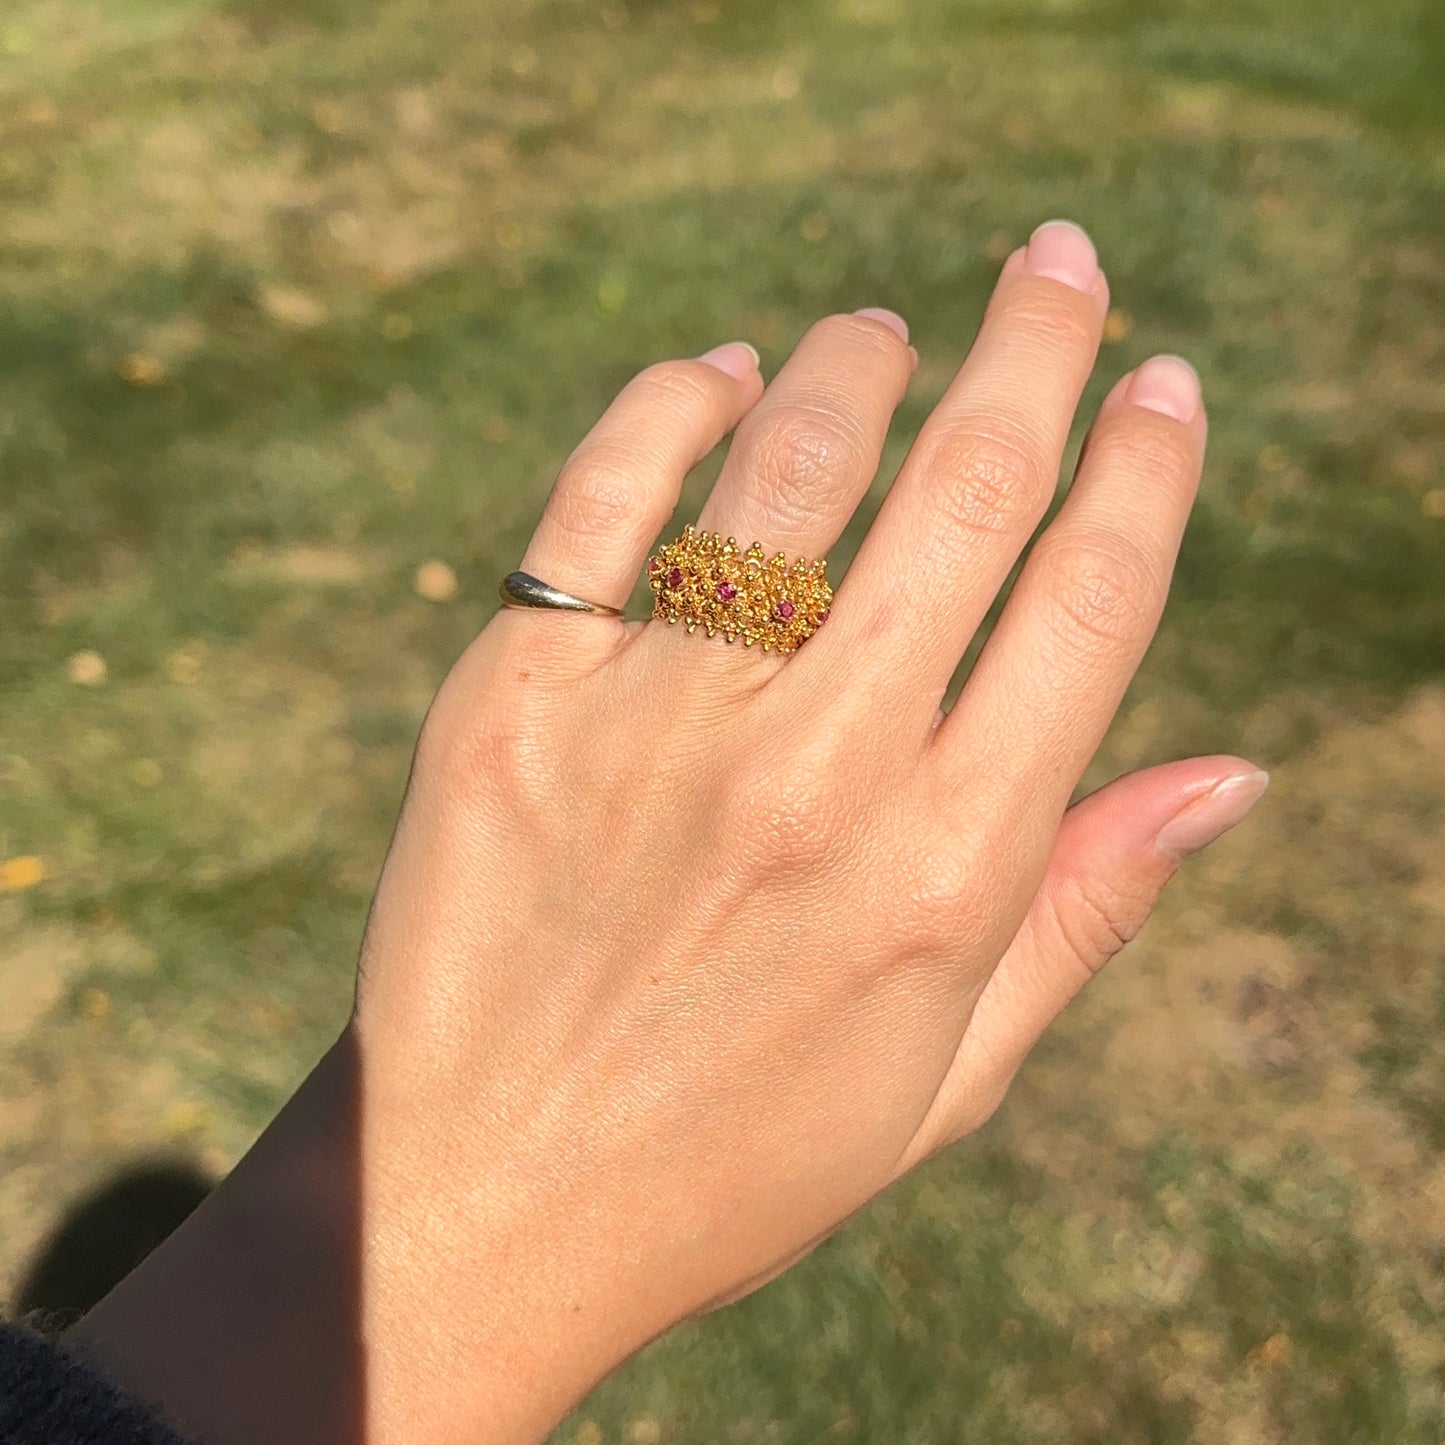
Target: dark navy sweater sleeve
point(50, 1398)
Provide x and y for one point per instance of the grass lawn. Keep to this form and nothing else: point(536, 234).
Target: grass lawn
point(300, 296)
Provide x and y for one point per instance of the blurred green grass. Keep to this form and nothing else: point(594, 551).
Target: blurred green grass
point(297, 297)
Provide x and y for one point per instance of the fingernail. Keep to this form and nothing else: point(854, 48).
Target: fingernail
point(1166, 384)
point(737, 359)
point(1063, 252)
point(891, 319)
point(1211, 816)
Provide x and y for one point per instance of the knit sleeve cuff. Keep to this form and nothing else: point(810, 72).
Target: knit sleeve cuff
point(48, 1397)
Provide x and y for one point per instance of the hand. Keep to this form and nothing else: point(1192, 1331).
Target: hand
point(683, 952)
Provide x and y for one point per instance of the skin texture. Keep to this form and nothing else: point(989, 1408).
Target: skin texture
point(682, 952)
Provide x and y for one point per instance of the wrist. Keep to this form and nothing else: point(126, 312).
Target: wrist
point(493, 1290)
point(340, 1289)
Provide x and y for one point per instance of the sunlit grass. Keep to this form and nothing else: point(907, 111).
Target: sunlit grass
point(300, 297)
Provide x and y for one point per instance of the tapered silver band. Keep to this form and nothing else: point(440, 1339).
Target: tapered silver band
point(521, 589)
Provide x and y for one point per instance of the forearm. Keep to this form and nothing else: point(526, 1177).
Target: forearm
point(289, 1309)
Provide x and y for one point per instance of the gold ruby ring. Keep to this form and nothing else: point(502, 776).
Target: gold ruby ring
point(706, 580)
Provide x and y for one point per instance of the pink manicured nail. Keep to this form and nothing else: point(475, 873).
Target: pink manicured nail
point(737, 359)
point(890, 319)
point(1166, 384)
point(1063, 252)
point(1211, 816)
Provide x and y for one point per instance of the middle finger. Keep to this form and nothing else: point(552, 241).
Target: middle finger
point(977, 481)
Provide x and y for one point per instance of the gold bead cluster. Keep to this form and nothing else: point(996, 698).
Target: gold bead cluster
point(705, 580)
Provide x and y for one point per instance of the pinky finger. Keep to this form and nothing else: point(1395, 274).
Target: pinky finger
point(617, 490)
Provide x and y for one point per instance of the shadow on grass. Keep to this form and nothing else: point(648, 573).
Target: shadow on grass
point(105, 1234)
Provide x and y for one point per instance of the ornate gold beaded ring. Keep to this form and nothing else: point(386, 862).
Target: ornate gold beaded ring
point(705, 580)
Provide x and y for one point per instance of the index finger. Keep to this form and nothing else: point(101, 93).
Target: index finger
point(1087, 602)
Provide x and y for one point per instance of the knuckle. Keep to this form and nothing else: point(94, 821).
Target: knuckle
point(679, 387)
point(858, 334)
point(943, 913)
point(1096, 920)
point(478, 752)
point(1063, 319)
point(937, 899)
point(791, 819)
point(596, 495)
point(1106, 596)
point(988, 482)
point(1142, 443)
point(798, 455)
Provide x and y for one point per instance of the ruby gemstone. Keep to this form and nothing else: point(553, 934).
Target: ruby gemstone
point(784, 610)
point(726, 591)
point(674, 577)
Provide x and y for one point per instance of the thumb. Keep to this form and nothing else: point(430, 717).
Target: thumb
point(1115, 852)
